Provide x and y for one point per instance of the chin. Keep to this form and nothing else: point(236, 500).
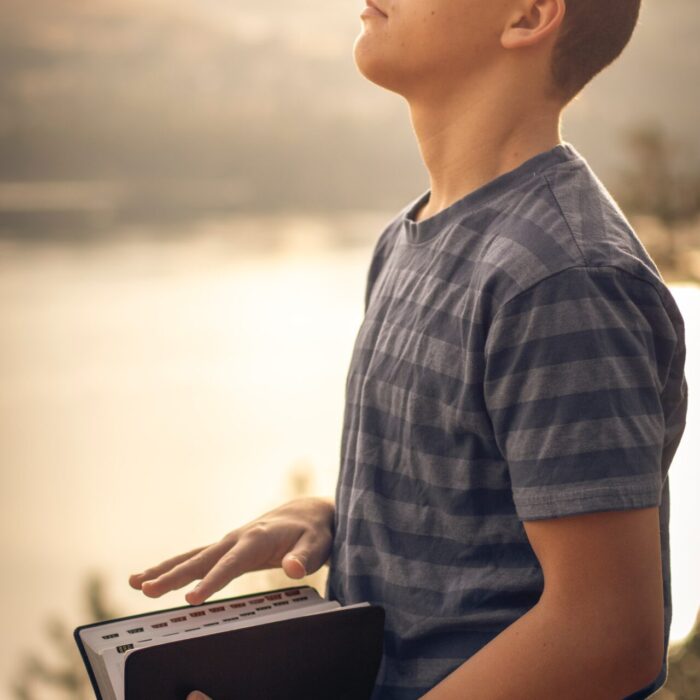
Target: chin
point(373, 63)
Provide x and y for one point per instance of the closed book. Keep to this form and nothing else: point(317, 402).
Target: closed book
point(283, 644)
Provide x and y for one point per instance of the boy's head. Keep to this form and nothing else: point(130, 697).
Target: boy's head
point(593, 34)
point(547, 48)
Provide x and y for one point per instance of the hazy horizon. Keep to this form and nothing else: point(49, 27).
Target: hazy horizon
point(170, 109)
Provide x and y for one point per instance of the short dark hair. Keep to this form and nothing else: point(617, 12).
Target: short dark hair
point(592, 35)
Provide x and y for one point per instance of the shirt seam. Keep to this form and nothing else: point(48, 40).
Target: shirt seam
point(487, 201)
point(648, 486)
point(589, 268)
point(566, 219)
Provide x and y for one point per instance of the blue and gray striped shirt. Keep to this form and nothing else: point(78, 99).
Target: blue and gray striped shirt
point(520, 357)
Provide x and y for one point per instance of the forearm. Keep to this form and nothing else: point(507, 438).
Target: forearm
point(549, 654)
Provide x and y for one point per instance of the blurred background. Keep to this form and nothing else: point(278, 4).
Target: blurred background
point(189, 196)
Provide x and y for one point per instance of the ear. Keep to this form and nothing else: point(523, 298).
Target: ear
point(532, 22)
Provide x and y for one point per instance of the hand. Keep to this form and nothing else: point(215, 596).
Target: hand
point(296, 536)
point(197, 695)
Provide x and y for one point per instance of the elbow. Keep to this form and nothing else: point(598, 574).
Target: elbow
point(641, 658)
point(651, 659)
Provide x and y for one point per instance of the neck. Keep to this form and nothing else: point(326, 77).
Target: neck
point(469, 137)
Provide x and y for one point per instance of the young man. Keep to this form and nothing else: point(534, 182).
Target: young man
point(516, 392)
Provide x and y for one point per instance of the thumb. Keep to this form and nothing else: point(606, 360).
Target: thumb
point(197, 695)
point(304, 558)
point(294, 563)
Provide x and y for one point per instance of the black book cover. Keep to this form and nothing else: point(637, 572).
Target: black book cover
point(325, 656)
point(334, 654)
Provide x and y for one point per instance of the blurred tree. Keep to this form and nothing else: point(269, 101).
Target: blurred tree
point(65, 677)
point(662, 181)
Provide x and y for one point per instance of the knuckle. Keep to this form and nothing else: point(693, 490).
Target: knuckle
point(224, 571)
point(229, 559)
point(157, 571)
point(300, 554)
point(320, 547)
point(313, 540)
point(258, 529)
point(196, 561)
point(230, 538)
point(192, 569)
point(175, 573)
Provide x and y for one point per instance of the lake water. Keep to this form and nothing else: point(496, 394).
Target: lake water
point(157, 394)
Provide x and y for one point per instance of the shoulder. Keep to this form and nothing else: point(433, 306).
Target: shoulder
point(565, 229)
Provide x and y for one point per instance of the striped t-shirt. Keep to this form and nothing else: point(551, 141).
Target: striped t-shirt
point(520, 357)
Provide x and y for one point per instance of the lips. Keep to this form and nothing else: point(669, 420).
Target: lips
point(371, 3)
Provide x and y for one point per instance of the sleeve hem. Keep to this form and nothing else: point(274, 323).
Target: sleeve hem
point(575, 499)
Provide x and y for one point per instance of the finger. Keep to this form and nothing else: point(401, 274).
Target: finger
point(135, 580)
point(246, 555)
point(307, 555)
point(197, 695)
point(186, 571)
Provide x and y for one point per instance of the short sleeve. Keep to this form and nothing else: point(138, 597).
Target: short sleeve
point(575, 370)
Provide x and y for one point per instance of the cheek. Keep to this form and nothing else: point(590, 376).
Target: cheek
point(420, 41)
point(435, 32)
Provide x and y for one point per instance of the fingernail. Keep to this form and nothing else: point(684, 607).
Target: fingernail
point(295, 558)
